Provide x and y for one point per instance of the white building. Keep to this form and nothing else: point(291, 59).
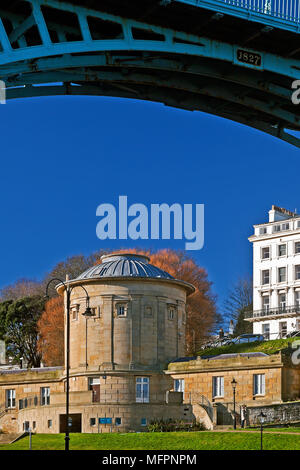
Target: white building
point(276, 275)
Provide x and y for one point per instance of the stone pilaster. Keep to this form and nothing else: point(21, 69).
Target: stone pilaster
point(108, 332)
point(161, 326)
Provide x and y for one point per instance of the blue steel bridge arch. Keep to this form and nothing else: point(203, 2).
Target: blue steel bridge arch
point(50, 47)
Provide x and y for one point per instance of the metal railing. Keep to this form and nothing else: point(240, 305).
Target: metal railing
point(281, 335)
point(266, 312)
point(196, 398)
point(288, 10)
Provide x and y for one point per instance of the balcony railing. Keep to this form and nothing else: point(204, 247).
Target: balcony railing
point(288, 10)
point(267, 312)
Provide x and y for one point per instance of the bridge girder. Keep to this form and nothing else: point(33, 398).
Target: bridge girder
point(144, 61)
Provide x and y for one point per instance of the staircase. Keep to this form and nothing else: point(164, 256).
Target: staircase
point(202, 410)
point(10, 437)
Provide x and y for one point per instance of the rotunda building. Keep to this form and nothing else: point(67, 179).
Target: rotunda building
point(118, 355)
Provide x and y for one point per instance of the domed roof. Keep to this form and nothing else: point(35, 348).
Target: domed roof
point(124, 265)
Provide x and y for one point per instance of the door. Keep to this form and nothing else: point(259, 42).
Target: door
point(96, 393)
point(266, 330)
point(94, 385)
point(74, 423)
point(282, 300)
point(282, 329)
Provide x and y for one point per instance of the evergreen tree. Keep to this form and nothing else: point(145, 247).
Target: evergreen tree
point(18, 328)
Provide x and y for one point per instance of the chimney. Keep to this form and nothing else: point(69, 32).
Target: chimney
point(279, 213)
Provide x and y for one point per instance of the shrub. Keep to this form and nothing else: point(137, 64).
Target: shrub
point(174, 425)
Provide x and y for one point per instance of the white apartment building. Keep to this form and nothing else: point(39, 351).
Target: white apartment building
point(276, 275)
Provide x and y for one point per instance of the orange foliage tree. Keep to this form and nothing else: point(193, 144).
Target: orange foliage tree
point(51, 332)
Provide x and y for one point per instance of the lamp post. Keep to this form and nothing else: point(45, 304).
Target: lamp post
point(262, 417)
point(234, 384)
point(87, 313)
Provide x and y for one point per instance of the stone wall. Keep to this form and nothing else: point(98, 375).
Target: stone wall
point(117, 400)
point(290, 383)
point(9, 422)
point(280, 413)
point(198, 378)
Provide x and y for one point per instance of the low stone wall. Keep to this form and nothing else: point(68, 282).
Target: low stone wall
point(281, 413)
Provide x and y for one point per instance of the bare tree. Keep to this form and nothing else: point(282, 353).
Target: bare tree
point(238, 302)
point(20, 289)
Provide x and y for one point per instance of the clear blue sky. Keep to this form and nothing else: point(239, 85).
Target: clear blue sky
point(62, 157)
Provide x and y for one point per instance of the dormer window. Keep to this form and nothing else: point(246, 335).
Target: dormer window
point(276, 228)
point(262, 230)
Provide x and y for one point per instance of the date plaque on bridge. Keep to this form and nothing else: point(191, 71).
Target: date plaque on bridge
point(248, 58)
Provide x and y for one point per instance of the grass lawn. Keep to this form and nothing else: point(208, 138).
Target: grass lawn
point(267, 347)
point(161, 441)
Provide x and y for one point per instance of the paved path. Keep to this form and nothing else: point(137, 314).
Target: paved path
point(253, 431)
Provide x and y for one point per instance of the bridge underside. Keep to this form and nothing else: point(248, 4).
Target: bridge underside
point(55, 48)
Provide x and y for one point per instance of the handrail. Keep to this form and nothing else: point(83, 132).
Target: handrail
point(198, 398)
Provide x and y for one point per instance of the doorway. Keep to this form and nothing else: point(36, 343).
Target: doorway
point(74, 423)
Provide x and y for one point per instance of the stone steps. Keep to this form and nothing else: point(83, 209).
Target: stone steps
point(9, 438)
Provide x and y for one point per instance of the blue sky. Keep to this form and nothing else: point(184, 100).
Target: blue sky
point(62, 157)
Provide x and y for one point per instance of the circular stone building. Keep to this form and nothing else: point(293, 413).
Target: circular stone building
point(117, 357)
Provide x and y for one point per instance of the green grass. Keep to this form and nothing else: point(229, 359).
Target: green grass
point(161, 441)
point(267, 347)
